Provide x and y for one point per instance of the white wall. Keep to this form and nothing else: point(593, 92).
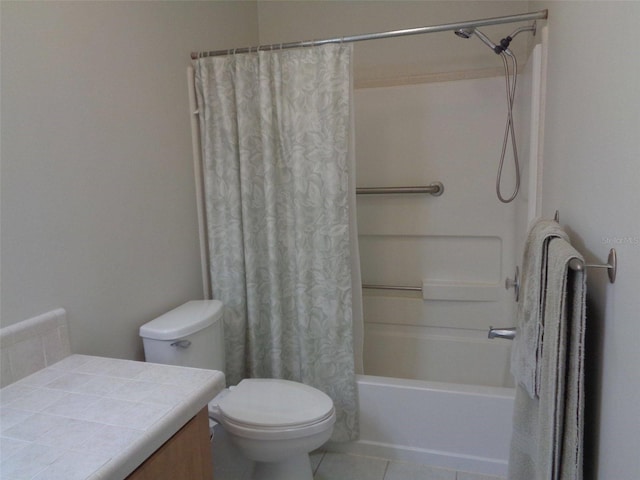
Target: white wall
point(98, 202)
point(591, 175)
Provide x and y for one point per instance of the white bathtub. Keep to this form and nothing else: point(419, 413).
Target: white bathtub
point(462, 427)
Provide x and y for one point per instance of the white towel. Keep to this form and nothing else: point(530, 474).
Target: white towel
point(526, 352)
point(547, 438)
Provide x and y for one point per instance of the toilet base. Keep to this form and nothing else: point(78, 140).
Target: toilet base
point(297, 467)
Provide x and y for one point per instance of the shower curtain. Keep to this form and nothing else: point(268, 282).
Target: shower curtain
point(277, 147)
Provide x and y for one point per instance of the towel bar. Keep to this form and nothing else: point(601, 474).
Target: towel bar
point(611, 265)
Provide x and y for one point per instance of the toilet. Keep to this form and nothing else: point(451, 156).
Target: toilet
point(275, 423)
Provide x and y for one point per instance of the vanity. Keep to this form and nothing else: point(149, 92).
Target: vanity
point(85, 417)
point(100, 418)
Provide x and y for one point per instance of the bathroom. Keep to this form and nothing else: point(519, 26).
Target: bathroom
point(98, 209)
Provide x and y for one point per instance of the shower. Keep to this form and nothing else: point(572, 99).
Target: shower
point(510, 74)
point(467, 32)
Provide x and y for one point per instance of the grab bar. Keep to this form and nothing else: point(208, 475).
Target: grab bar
point(392, 287)
point(436, 189)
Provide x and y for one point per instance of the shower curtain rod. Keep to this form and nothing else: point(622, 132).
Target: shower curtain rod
point(522, 17)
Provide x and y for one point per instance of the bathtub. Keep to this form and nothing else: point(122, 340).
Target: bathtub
point(461, 427)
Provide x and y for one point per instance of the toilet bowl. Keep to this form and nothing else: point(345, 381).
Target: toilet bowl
point(275, 423)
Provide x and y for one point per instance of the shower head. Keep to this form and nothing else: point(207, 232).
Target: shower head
point(464, 32)
point(504, 43)
point(468, 32)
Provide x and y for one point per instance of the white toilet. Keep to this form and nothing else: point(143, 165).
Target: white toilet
point(275, 423)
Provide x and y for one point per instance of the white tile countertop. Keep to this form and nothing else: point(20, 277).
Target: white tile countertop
point(96, 418)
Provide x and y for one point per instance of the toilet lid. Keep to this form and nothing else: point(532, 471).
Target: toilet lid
point(275, 403)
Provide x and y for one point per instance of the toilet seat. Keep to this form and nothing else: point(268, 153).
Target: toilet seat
point(275, 409)
point(278, 433)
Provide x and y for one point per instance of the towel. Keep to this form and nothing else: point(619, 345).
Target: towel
point(526, 351)
point(547, 437)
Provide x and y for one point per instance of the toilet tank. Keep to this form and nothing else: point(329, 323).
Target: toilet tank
point(190, 335)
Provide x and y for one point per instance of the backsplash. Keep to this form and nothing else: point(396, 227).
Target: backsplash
point(32, 345)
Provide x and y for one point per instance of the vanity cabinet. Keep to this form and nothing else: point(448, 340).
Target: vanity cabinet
point(125, 419)
point(185, 456)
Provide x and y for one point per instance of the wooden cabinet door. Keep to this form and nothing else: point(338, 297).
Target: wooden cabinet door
point(185, 456)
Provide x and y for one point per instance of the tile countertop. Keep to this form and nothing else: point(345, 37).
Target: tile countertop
point(96, 418)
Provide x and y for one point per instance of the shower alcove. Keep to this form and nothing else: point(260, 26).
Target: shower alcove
point(435, 389)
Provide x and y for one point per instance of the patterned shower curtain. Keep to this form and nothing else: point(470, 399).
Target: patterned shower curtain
point(275, 129)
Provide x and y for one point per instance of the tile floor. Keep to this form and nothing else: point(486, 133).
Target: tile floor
point(229, 465)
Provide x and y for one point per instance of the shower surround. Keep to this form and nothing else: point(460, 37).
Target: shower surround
point(435, 390)
point(459, 246)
